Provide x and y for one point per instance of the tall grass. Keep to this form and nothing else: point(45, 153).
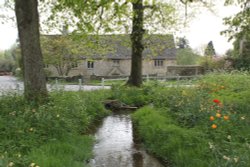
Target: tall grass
point(43, 134)
point(208, 124)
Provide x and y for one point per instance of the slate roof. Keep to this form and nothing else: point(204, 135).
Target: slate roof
point(157, 46)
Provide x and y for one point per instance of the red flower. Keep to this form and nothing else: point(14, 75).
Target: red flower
point(216, 101)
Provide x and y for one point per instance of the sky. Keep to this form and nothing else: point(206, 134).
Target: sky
point(204, 28)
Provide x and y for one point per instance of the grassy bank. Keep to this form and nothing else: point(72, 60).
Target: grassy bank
point(51, 135)
point(205, 125)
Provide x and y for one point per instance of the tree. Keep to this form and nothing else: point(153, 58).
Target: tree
point(135, 78)
point(186, 57)
point(128, 16)
point(57, 52)
point(239, 30)
point(107, 15)
point(28, 30)
point(182, 43)
point(155, 15)
point(8, 60)
point(210, 51)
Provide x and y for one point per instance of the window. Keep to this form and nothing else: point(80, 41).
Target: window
point(74, 65)
point(90, 64)
point(158, 63)
point(116, 62)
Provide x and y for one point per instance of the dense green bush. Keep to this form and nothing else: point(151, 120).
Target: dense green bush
point(24, 128)
point(131, 95)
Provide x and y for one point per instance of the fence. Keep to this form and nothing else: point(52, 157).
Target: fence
point(148, 78)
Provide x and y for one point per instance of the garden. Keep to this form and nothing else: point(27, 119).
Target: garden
point(203, 125)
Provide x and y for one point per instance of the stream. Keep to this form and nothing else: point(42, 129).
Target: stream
point(115, 146)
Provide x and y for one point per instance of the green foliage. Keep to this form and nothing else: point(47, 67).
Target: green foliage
point(70, 151)
point(200, 125)
point(239, 23)
point(215, 63)
point(59, 123)
point(8, 60)
point(131, 95)
point(186, 57)
point(169, 141)
point(210, 51)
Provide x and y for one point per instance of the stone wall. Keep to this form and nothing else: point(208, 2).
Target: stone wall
point(184, 70)
point(108, 68)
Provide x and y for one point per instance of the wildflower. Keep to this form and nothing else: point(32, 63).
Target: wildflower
point(220, 104)
point(218, 110)
point(214, 126)
point(242, 117)
point(57, 115)
point(211, 146)
point(31, 129)
point(218, 115)
point(11, 164)
point(222, 87)
point(226, 158)
point(32, 164)
point(226, 117)
point(229, 137)
point(216, 101)
point(236, 159)
point(211, 118)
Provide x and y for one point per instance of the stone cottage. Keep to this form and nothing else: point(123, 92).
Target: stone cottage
point(109, 56)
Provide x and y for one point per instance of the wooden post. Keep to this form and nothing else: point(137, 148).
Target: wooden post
point(80, 84)
point(103, 80)
point(56, 84)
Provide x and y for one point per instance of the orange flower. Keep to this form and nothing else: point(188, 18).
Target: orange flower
point(222, 87)
point(211, 118)
point(218, 115)
point(214, 126)
point(226, 117)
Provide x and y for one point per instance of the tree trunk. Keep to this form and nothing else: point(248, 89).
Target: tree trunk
point(28, 29)
point(135, 78)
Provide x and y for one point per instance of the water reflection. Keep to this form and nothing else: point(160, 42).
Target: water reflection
point(115, 146)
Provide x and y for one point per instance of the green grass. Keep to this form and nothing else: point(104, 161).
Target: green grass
point(71, 151)
point(177, 126)
point(45, 134)
point(174, 123)
point(164, 138)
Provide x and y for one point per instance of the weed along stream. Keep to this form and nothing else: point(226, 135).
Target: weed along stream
point(115, 146)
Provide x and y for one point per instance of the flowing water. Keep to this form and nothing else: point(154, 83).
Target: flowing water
point(115, 146)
